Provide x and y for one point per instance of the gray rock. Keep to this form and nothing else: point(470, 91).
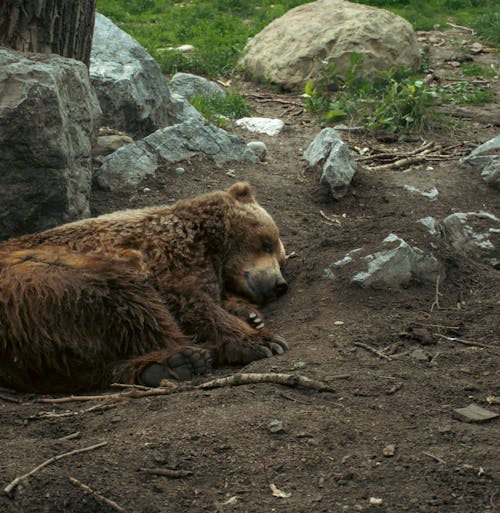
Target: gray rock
point(433, 227)
point(49, 117)
point(487, 158)
point(130, 164)
point(339, 166)
point(491, 172)
point(259, 148)
point(397, 267)
point(477, 234)
point(189, 85)
point(292, 49)
point(132, 91)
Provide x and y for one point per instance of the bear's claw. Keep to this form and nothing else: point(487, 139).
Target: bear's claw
point(182, 365)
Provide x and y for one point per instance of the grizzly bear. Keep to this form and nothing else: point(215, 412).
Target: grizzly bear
point(139, 296)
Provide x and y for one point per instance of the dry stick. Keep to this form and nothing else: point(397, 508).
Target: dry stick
point(260, 99)
point(10, 399)
point(175, 474)
point(52, 415)
point(17, 480)
point(461, 27)
point(437, 458)
point(119, 396)
point(468, 342)
point(402, 162)
point(373, 350)
point(435, 303)
point(71, 436)
point(97, 496)
point(291, 380)
point(393, 155)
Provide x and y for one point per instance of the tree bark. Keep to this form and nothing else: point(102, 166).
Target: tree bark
point(64, 27)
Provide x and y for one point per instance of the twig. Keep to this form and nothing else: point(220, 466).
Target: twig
point(119, 396)
point(43, 415)
point(393, 155)
point(435, 303)
point(71, 436)
point(372, 350)
point(468, 342)
point(472, 31)
point(291, 380)
point(10, 399)
point(332, 220)
point(434, 457)
point(97, 496)
point(8, 489)
point(175, 474)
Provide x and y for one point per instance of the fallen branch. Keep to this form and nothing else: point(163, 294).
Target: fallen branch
point(402, 162)
point(332, 220)
point(44, 415)
point(99, 498)
point(372, 350)
point(261, 99)
point(174, 474)
point(290, 380)
point(8, 489)
point(468, 342)
point(10, 399)
point(393, 155)
point(118, 396)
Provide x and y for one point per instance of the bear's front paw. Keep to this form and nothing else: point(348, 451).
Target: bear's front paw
point(183, 365)
point(256, 349)
point(245, 311)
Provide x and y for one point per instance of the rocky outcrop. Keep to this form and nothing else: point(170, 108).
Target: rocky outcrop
point(130, 164)
point(487, 158)
point(49, 117)
point(131, 88)
point(338, 165)
point(290, 51)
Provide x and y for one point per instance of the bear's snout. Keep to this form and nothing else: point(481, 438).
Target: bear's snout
point(281, 286)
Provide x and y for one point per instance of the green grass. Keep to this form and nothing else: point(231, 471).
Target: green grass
point(217, 109)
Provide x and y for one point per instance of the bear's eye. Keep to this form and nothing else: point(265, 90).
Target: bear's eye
point(266, 247)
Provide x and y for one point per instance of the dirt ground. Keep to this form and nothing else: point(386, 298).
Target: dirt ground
point(329, 454)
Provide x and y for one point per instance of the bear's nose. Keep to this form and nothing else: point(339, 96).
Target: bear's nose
point(281, 286)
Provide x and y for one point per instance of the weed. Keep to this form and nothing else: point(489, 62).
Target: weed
point(218, 108)
point(464, 92)
point(475, 69)
point(394, 101)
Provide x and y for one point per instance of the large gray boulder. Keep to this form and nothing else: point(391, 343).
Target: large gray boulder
point(131, 88)
point(130, 164)
point(49, 117)
point(290, 51)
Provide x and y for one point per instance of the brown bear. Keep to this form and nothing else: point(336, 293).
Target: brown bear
point(138, 296)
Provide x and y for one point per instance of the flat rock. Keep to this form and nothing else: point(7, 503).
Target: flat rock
point(475, 413)
point(189, 85)
point(268, 126)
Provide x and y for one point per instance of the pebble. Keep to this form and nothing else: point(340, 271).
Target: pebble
point(180, 170)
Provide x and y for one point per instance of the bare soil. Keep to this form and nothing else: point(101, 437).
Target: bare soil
point(329, 455)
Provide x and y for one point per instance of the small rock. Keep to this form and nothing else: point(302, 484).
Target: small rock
point(259, 148)
point(475, 413)
point(389, 450)
point(431, 194)
point(275, 426)
point(420, 355)
point(476, 48)
point(376, 501)
point(180, 170)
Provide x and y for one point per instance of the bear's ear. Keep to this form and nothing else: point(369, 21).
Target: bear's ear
point(242, 191)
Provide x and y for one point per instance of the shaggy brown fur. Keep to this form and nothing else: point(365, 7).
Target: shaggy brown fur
point(139, 295)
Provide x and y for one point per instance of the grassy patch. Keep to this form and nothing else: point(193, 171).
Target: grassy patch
point(217, 109)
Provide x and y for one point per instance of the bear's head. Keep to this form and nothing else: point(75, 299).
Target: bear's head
point(253, 263)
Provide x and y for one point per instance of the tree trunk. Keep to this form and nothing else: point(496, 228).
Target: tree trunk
point(48, 26)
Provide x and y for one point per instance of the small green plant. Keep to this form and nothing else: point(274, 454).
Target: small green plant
point(218, 108)
point(394, 101)
point(464, 92)
point(475, 69)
